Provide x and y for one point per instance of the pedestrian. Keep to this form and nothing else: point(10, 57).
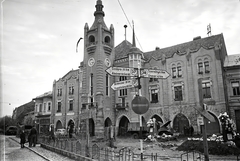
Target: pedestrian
point(22, 138)
point(32, 137)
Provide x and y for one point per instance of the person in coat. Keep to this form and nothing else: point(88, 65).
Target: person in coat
point(22, 138)
point(33, 137)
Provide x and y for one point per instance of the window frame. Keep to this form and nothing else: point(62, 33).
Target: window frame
point(236, 89)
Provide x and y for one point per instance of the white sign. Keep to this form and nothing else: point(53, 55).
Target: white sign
point(200, 120)
point(119, 71)
point(123, 84)
point(154, 73)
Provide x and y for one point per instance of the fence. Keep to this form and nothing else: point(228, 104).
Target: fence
point(94, 151)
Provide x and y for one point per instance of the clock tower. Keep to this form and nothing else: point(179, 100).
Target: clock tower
point(98, 56)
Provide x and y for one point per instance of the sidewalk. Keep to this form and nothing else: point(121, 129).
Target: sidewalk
point(46, 154)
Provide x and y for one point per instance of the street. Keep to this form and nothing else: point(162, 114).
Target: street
point(10, 150)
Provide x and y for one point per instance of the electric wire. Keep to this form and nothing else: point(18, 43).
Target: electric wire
point(129, 23)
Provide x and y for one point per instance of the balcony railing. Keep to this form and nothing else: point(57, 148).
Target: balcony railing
point(121, 106)
point(89, 106)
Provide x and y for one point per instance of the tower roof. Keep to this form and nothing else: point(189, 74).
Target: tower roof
point(99, 14)
point(99, 8)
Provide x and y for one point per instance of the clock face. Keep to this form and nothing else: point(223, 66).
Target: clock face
point(107, 62)
point(91, 62)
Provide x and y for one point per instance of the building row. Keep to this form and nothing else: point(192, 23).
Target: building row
point(199, 71)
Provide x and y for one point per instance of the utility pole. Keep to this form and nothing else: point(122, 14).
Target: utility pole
point(205, 143)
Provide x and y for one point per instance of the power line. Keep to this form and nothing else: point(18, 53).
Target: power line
point(129, 23)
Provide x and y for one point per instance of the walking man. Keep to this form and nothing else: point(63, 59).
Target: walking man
point(33, 137)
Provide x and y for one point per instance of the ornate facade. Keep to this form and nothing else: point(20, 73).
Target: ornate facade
point(94, 105)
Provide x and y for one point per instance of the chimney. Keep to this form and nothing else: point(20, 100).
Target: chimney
point(197, 38)
point(157, 48)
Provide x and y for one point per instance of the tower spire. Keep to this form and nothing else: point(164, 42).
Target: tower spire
point(99, 8)
point(133, 40)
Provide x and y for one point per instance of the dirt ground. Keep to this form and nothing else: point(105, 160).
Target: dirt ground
point(167, 150)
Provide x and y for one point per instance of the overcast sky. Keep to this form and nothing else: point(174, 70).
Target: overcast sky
point(38, 43)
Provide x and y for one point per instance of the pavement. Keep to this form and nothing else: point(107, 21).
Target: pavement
point(46, 154)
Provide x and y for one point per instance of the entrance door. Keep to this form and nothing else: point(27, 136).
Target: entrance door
point(180, 121)
point(123, 126)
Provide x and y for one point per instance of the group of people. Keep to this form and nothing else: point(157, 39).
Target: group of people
point(32, 137)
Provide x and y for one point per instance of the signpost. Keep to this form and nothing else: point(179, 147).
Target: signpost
point(154, 73)
point(119, 71)
point(140, 104)
point(123, 84)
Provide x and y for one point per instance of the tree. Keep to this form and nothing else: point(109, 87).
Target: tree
point(6, 121)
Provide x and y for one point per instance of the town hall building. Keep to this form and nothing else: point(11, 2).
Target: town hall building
point(84, 96)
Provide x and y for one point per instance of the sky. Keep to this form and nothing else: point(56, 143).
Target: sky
point(38, 37)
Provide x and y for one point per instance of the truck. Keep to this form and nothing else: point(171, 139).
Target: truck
point(134, 130)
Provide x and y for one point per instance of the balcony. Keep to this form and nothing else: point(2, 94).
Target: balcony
point(89, 106)
point(121, 106)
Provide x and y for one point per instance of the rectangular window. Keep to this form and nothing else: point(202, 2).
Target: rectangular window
point(154, 95)
point(235, 88)
point(178, 93)
point(206, 90)
point(91, 84)
point(174, 72)
point(71, 90)
point(44, 107)
point(49, 106)
point(122, 92)
point(36, 108)
point(70, 105)
point(206, 65)
point(200, 68)
point(40, 107)
point(59, 107)
point(179, 70)
point(60, 92)
point(107, 85)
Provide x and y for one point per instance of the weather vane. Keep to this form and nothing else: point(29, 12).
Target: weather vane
point(209, 32)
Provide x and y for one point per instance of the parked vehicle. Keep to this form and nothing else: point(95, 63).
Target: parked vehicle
point(61, 132)
point(11, 130)
point(134, 130)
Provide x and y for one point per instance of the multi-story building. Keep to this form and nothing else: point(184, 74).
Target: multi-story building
point(194, 65)
point(42, 112)
point(65, 100)
point(232, 70)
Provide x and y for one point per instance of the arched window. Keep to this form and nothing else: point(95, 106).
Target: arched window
point(107, 39)
point(91, 39)
point(179, 70)
point(200, 66)
point(203, 66)
point(206, 65)
point(174, 71)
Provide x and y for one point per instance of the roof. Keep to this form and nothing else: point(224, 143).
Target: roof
point(232, 60)
point(122, 49)
point(46, 94)
point(184, 48)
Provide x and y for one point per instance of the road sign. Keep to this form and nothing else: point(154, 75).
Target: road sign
point(205, 114)
point(123, 84)
point(119, 71)
point(140, 105)
point(200, 120)
point(154, 73)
